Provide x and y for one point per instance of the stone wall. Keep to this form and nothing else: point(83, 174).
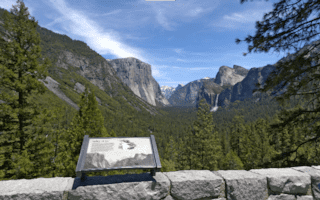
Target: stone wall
point(296, 183)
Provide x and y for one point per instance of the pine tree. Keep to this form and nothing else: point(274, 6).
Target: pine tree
point(170, 155)
point(186, 154)
point(207, 145)
point(88, 121)
point(232, 162)
point(237, 135)
point(299, 73)
point(53, 131)
point(91, 116)
point(19, 72)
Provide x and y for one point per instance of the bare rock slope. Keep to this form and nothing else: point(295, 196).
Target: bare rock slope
point(137, 76)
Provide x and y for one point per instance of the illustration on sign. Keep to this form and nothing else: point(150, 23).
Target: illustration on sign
point(119, 152)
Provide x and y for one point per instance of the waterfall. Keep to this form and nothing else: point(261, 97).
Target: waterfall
point(215, 108)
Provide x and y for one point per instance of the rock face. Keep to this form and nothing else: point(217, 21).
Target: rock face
point(237, 84)
point(186, 95)
point(137, 76)
point(103, 76)
point(53, 86)
point(81, 88)
point(243, 89)
point(193, 92)
point(100, 74)
point(167, 91)
point(229, 76)
point(209, 91)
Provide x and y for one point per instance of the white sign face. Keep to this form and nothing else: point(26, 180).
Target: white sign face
point(119, 152)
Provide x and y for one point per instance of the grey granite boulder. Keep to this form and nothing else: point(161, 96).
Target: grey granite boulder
point(120, 187)
point(40, 188)
point(286, 180)
point(243, 185)
point(315, 179)
point(79, 88)
point(195, 184)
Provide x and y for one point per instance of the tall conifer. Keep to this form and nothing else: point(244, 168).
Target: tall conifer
point(237, 135)
point(88, 121)
point(207, 144)
point(19, 72)
point(186, 154)
point(170, 155)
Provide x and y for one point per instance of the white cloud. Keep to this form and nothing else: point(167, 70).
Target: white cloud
point(112, 13)
point(236, 17)
point(246, 18)
point(177, 50)
point(163, 21)
point(180, 60)
point(157, 71)
point(104, 42)
point(196, 11)
point(168, 13)
point(56, 21)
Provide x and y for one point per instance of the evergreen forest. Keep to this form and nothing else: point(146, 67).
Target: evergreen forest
point(41, 134)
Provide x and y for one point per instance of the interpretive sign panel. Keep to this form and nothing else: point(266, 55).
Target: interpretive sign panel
point(116, 153)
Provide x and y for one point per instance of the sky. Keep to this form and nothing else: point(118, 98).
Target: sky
point(182, 40)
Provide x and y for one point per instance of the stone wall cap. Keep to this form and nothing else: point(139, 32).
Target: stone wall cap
point(191, 175)
point(309, 170)
point(239, 174)
point(38, 185)
point(278, 172)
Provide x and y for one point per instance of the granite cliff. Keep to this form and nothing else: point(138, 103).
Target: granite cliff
point(193, 92)
point(167, 91)
point(230, 76)
point(244, 89)
point(186, 95)
point(240, 91)
point(137, 76)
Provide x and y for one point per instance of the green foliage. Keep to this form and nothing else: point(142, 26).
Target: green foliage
point(242, 135)
point(232, 162)
point(19, 73)
point(207, 147)
point(298, 74)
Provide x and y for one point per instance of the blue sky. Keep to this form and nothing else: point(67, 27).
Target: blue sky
point(183, 40)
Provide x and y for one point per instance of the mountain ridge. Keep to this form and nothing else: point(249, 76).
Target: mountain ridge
point(188, 94)
point(74, 59)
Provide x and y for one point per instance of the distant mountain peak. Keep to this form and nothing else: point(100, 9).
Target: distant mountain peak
point(167, 91)
point(206, 78)
point(230, 76)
